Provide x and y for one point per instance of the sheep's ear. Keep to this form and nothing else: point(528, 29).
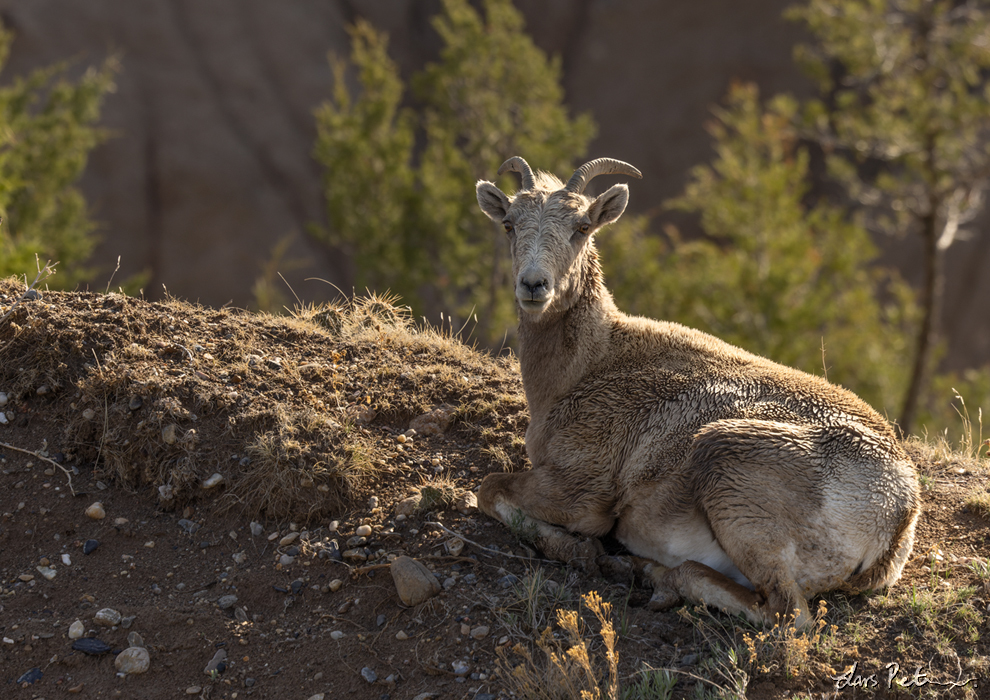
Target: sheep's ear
point(492, 201)
point(609, 206)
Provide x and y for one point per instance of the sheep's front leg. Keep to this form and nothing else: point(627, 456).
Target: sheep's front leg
point(524, 503)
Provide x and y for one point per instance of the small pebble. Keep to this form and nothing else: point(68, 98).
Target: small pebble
point(336, 634)
point(30, 677)
point(126, 623)
point(188, 525)
point(226, 602)
point(76, 630)
point(288, 539)
point(239, 557)
point(107, 617)
point(66, 560)
point(194, 690)
point(90, 546)
point(372, 502)
point(135, 640)
point(214, 480)
point(256, 529)
point(369, 675)
point(217, 663)
point(461, 668)
point(96, 511)
point(286, 560)
point(363, 531)
point(479, 632)
point(46, 571)
point(89, 414)
point(335, 585)
point(91, 646)
point(401, 635)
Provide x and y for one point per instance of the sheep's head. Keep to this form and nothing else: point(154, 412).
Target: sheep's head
point(550, 226)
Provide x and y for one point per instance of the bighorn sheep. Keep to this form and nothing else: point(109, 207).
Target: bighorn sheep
point(732, 480)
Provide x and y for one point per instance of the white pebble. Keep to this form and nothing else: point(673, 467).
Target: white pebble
point(66, 560)
point(3, 398)
point(336, 634)
point(213, 481)
point(77, 629)
point(363, 531)
point(96, 511)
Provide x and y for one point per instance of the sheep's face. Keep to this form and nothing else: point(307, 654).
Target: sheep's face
point(549, 231)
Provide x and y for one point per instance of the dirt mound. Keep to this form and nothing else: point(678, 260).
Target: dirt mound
point(256, 476)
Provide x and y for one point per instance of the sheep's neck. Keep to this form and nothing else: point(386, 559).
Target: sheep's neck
point(557, 350)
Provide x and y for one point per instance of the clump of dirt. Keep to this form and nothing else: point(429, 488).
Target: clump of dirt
point(256, 475)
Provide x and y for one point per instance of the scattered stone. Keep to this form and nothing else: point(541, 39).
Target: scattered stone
point(3, 398)
point(318, 696)
point(42, 390)
point(336, 634)
point(195, 690)
point(227, 601)
point(380, 620)
point(170, 433)
point(435, 422)
point(46, 571)
point(455, 546)
point(407, 506)
point(335, 585)
point(126, 623)
point(31, 676)
point(413, 581)
point(297, 586)
point(286, 560)
point(135, 640)
point(400, 635)
point(369, 675)
point(344, 607)
point(239, 557)
point(355, 555)
point(373, 503)
point(214, 480)
point(91, 646)
point(240, 615)
point(218, 664)
point(132, 661)
point(256, 529)
point(189, 526)
point(449, 583)
point(426, 696)
point(89, 414)
point(334, 524)
point(107, 617)
point(479, 632)
point(508, 581)
point(166, 492)
point(249, 682)
point(76, 688)
point(466, 503)
point(96, 511)
point(90, 546)
point(461, 668)
point(689, 660)
point(357, 541)
point(288, 539)
point(363, 531)
point(135, 403)
point(77, 629)
point(470, 579)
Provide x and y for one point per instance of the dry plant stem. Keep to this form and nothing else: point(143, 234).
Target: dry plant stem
point(43, 273)
point(68, 474)
point(485, 549)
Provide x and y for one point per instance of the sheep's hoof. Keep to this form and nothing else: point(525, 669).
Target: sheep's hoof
point(585, 556)
point(616, 567)
point(664, 599)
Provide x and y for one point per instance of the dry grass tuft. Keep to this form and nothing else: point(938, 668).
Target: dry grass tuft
point(572, 666)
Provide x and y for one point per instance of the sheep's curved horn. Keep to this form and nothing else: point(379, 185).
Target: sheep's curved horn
point(515, 164)
point(601, 166)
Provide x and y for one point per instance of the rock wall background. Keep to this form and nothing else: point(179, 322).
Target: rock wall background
point(210, 164)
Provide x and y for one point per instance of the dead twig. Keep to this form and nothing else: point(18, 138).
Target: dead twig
point(68, 474)
point(491, 552)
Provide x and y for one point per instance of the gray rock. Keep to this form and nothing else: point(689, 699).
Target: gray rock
point(107, 617)
point(256, 529)
point(188, 525)
point(132, 660)
point(227, 601)
point(135, 640)
point(126, 623)
point(369, 675)
point(413, 581)
point(217, 664)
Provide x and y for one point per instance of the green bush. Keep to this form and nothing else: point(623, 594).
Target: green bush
point(46, 135)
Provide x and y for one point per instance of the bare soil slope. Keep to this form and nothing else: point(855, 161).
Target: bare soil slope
point(188, 424)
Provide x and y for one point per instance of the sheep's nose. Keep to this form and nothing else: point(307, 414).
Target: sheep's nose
point(534, 287)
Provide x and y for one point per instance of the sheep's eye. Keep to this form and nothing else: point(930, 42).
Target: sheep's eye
point(584, 228)
point(508, 226)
